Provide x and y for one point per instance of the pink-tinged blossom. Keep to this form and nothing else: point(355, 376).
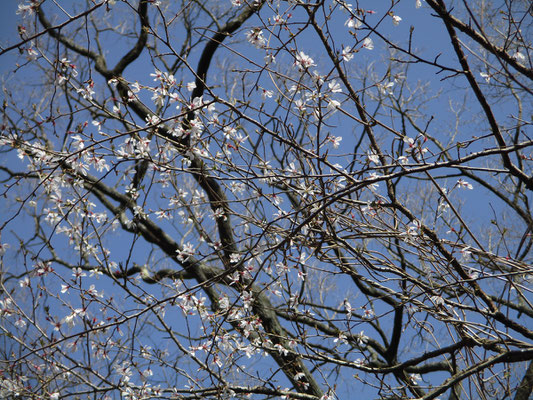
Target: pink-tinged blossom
point(465, 252)
point(372, 157)
point(184, 253)
point(234, 258)
point(278, 20)
point(163, 214)
point(159, 96)
point(6, 307)
point(223, 303)
point(386, 88)
point(247, 299)
point(94, 293)
point(43, 268)
point(281, 350)
point(20, 323)
point(334, 86)
point(347, 54)
point(191, 86)
point(341, 338)
point(403, 160)
point(464, 184)
point(353, 22)
point(359, 362)
point(157, 75)
point(303, 61)
point(266, 93)
point(247, 325)
point(131, 96)
point(300, 377)
point(255, 37)
point(520, 57)
point(136, 87)
point(152, 120)
point(396, 20)
point(328, 396)
point(67, 68)
point(473, 274)
point(413, 229)
point(99, 163)
point(300, 105)
point(87, 91)
point(70, 319)
point(98, 125)
point(219, 213)
point(229, 132)
point(301, 275)
point(195, 127)
point(333, 105)
point(270, 59)
point(26, 9)
point(361, 338)
point(174, 97)
point(78, 273)
point(3, 248)
point(485, 76)
point(368, 43)
point(217, 361)
point(32, 53)
point(23, 283)
point(281, 268)
point(237, 3)
point(348, 307)
point(234, 277)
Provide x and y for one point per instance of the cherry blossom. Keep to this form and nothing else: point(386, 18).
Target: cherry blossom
point(303, 61)
point(485, 76)
point(396, 20)
point(353, 23)
point(266, 93)
point(184, 253)
point(3, 248)
point(368, 43)
point(333, 105)
point(235, 258)
point(255, 37)
point(152, 120)
point(464, 184)
point(347, 54)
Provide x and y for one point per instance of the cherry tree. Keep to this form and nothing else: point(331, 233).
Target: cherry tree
point(267, 199)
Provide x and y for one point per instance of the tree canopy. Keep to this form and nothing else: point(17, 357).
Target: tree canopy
point(267, 199)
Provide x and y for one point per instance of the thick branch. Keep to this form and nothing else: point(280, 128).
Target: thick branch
point(137, 49)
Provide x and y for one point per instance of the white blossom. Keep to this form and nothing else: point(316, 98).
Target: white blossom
point(464, 184)
point(255, 37)
point(368, 43)
point(303, 61)
point(485, 76)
